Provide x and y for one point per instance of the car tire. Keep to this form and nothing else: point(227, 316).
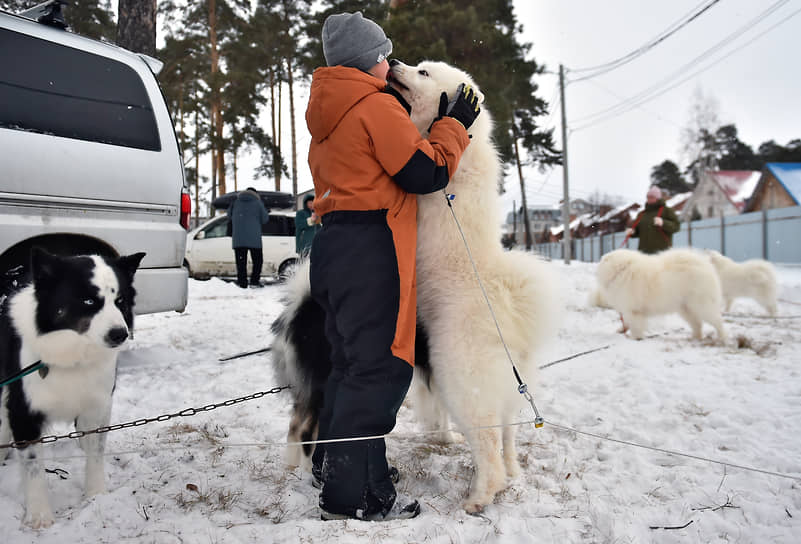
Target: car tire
point(287, 270)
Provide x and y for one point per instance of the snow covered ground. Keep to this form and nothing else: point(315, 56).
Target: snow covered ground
point(218, 477)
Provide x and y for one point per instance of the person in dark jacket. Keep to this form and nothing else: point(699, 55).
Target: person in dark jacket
point(247, 214)
point(307, 223)
point(366, 157)
point(655, 225)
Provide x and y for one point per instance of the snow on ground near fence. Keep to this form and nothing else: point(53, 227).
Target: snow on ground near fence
point(194, 479)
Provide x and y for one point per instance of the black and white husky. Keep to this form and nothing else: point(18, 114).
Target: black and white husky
point(73, 316)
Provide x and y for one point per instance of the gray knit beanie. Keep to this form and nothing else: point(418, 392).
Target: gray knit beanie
point(351, 40)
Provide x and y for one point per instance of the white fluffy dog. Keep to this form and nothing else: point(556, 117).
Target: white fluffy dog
point(679, 281)
point(462, 368)
point(754, 279)
point(471, 373)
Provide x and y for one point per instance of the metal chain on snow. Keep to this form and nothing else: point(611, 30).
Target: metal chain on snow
point(144, 421)
point(522, 388)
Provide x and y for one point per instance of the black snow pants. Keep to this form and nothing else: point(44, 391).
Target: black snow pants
point(354, 277)
point(256, 255)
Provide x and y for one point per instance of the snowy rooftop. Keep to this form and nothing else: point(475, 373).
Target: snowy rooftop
point(677, 200)
point(737, 184)
point(789, 174)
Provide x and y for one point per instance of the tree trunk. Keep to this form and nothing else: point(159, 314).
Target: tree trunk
point(181, 133)
point(220, 151)
point(218, 160)
point(280, 104)
point(276, 164)
point(213, 178)
point(197, 164)
point(136, 26)
point(292, 127)
point(235, 182)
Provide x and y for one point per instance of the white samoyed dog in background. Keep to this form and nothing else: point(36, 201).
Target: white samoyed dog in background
point(754, 279)
point(679, 281)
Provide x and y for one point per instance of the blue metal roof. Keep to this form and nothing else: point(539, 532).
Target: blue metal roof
point(789, 175)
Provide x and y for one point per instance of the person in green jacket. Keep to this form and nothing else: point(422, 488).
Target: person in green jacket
point(655, 225)
point(306, 226)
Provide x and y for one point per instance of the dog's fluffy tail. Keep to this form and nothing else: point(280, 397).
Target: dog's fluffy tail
point(301, 359)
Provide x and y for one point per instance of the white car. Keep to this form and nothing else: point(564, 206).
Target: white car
point(209, 252)
point(89, 161)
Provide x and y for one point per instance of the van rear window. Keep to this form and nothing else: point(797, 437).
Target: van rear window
point(53, 89)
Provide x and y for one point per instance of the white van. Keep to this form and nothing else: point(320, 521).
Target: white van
point(209, 252)
point(89, 160)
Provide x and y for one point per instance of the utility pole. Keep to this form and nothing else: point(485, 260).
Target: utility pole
point(566, 194)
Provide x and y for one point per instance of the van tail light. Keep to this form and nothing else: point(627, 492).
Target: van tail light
point(186, 209)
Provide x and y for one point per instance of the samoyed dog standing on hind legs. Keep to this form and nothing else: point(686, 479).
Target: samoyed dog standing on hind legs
point(679, 281)
point(462, 368)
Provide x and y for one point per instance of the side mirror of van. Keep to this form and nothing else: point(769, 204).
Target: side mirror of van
point(200, 235)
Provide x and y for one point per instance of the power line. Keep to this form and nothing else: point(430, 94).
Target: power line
point(660, 88)
point(620, 97)
point(683, 69)
point(665, 34)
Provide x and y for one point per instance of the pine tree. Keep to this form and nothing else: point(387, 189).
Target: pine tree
point(265, 30)
point(479, 37)
point(217, 23)
point(181, 80)
point(732, 153)
point(770, 151)
point(92, 18)
point(668, 176)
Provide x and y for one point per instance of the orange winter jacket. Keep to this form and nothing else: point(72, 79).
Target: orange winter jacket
point(366, 154)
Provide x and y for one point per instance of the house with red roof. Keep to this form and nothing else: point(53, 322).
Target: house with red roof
point(721, 192)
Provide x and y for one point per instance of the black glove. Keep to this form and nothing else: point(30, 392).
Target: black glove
point(463, 106)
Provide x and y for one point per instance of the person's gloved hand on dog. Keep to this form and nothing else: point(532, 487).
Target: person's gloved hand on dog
point(658, 221)
point(463, 106)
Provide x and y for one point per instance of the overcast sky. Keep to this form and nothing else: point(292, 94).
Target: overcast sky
point(758, 88)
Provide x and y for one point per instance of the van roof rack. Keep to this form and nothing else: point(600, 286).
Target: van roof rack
point(48, 13)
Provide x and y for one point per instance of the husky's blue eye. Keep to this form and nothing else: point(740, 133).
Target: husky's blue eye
point(119, 301)
point(89, 302)
point(422, 73)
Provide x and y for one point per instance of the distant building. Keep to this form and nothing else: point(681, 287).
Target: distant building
point(719, 193)
point(678, 201)
point(779, 187)
point(617, 219)
point(579, 206)
point(540, 220)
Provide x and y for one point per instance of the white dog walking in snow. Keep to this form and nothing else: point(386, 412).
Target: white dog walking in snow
point(679, 281)
point(754, 279)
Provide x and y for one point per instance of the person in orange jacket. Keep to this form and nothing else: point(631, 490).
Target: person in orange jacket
point(368, 161)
